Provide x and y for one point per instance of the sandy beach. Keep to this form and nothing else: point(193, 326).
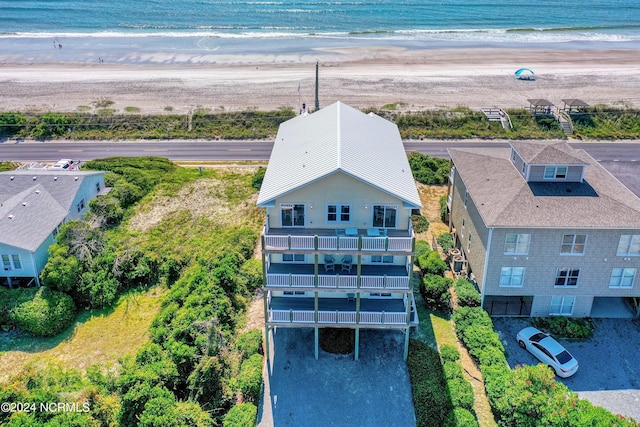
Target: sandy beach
point(360, 76)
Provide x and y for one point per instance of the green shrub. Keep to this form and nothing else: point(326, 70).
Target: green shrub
point(445, 240)
point(460, 417)
point(47, 314)
point(568, 327)
point(449, 353)
point(435, 291)
point(258, 177)
point(249, 343)
point(250, 277)
point(443, 208)
point(242, 415)
point(429, 170)
point(461, 393)
point(420, 223)
point(250, 378)
point(467, 294)
point(432, 263)
point(430, 398)
point(452, 370)
point(422, 247)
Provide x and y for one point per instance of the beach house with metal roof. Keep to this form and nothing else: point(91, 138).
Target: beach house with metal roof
point(543, 229)
point(338, 242)
point(33, 205)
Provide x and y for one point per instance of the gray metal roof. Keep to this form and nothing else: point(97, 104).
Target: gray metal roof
point(504, 199)
point(30, 209)
point(547, 153)
point(339, 138)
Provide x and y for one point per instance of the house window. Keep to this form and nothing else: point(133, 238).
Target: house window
point(524, 168)
point(516, 244)
point(629, 245)
point(294, 293)
point(573, 244)
point(292, 257)
point(97, 187)
point(385, 216)
point(462, 222)
point(381, 259)
point(513, 156)
point(11, 262)
point(512, 277)
point(567, 277)
point(562, 305)
point(80, 205)
point(622, 277)
point(555, 172)
point(338, 213)
point(469, 243)
point(292, 215)
point(466, 197)
point(380, 294)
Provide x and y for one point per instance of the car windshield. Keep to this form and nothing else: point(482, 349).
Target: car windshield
point(538, 337)
point(563, 357)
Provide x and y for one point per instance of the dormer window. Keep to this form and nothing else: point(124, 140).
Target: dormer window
point(555, 172)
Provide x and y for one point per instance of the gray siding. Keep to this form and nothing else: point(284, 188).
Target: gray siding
point(544, 258)
point(536, 174)
point(518, 162)
point(473, 225)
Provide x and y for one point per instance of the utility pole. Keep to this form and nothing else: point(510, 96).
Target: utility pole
point(317, 100)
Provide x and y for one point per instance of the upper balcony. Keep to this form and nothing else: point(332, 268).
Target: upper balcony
point(338, 239)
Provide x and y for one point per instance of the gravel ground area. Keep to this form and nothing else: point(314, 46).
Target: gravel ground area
point(336, 390)
point(609, 372)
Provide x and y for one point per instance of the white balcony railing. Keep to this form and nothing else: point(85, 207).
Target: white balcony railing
point(335, 243)
point(338, 317)
point(275, 280)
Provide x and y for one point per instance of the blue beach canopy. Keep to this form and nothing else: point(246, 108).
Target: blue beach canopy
point(524, 70)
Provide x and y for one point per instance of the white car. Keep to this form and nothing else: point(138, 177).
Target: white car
point(548, 351)
point(63, 164)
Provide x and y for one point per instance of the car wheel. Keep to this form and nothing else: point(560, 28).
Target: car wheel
point(553, 370)
point(521, 344)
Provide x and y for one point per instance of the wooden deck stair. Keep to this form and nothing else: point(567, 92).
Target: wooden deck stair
point(565, 121)
point(498, 115)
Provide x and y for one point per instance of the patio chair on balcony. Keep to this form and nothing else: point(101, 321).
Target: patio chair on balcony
point(329, 264)
point(347, 263)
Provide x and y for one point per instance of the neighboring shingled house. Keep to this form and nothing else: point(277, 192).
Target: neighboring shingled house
point(338, 242)
point(33, 205)
point(543, 229)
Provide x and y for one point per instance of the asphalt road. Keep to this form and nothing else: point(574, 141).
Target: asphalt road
point(50, 151)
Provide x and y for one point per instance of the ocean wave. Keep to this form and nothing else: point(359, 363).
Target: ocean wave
point(494, 35)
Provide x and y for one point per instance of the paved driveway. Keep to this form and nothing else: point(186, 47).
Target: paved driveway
point(609, 373)
point(336, 390)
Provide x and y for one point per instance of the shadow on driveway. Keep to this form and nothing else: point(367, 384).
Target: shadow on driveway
point(336, 390)
point(609, 372)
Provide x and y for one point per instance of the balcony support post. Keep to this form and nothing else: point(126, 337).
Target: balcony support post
point(266, 318)
point(316, 341)
point(356, 350)
point(315, 270)
point(406, 343)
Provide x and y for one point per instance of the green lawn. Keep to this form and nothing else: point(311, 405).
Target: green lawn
point(96, 337)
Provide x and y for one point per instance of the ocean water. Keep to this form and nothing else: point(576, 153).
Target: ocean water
point(244, 26)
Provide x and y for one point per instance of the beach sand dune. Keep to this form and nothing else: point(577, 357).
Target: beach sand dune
point(359, 76)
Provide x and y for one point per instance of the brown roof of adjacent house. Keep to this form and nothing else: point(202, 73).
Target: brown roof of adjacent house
point(545, 153)
point(504, 199)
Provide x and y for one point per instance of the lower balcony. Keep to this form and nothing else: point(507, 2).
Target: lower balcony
point(340, 312)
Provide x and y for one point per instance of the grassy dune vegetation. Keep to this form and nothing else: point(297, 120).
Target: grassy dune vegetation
point(600, 122)
point(162, 271)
